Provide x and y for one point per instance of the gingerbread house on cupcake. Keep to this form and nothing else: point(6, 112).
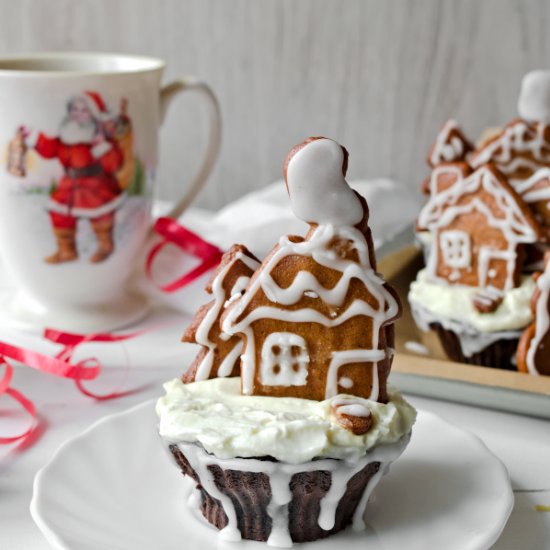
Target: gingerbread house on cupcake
point(451, 145)
point(479, 227)
point(316, 318)
point(220, 352)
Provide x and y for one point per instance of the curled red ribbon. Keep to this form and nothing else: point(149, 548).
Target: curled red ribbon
point(59, 365)
point(25, 403)
point(173, 233)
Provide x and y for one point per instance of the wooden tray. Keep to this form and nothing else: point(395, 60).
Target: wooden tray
point(434, 375)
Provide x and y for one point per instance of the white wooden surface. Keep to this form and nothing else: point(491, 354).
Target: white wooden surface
point(379, 75)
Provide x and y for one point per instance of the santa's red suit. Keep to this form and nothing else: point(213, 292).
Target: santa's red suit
point(88, 188)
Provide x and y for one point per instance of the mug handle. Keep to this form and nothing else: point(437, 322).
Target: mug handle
point(167, 93)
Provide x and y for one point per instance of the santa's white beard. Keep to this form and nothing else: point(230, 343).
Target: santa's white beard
point(72, 132)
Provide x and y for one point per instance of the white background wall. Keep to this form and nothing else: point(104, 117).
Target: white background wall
point(380, 76)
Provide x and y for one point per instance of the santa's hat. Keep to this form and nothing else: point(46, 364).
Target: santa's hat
point(95, 103)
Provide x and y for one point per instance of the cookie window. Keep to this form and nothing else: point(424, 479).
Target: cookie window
point(455, 246)
point(284, 360)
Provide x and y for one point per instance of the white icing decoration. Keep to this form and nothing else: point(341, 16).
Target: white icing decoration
point(383, 309)
point(318, 190)
point(443, 208)
point(226, 367)
point(240, 285)
point(218, 293)
point(530, 195)
point(311, 294)
point(542, 324)
point(416, 347)
point(280, 366)
point(486, 256)
point(447, 149)
point(340, 358)
point(456, 249)
point(280, 476)
point(471, 340)
point(351, 405)
point(519, 137)
point(534, 98)
point(345, 382)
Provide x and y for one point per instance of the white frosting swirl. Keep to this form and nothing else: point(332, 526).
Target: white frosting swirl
point(455, 302)
point(228, 424)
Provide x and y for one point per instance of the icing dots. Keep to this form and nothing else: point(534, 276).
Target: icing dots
point(319, 192)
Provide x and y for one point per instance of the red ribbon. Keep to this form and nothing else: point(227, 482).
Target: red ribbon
point(173, 233)
point(27, 405)
point(59, 365)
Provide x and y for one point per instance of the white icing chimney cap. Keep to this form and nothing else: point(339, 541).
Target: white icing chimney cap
point(319, 192)
point(534, 97)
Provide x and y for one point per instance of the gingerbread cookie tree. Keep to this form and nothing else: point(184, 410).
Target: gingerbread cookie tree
point(533, 355)
point(316, 318)
point(220, 352)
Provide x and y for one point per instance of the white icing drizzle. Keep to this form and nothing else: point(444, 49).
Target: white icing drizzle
point(240, 285)
point(203, 330)
point(317, 187)
point(226, 367)
point(340, 358)
point(280, 475)
point(317, 247)
point(518, 137)
point(542, 321)
point(416, 347)
point(443, 208)
point(471, 340)
point(447, 149)
point(351, 405)
point(530, 195)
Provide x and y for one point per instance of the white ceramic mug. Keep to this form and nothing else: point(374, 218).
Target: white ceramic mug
point(80, 135)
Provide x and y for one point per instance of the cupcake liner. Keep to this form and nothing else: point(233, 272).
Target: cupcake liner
point(499, 354)
point(251, 495)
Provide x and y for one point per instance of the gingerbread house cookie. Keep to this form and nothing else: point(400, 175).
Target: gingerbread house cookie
point(219, 356)
point(451, 145)
point(316, 318)
point(518, 150)
point(533, 355)
point(523, 146)
point(479, 226)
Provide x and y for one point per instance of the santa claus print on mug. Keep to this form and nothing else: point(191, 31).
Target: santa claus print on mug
point(95, 171)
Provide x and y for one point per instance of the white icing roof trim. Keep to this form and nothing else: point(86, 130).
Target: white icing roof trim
point(441, 209)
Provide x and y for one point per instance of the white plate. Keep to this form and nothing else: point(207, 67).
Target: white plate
point(114, 487)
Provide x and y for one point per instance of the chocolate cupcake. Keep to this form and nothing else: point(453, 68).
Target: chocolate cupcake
point(279, 469)
point(472, 291)
point(468, 335)
point(291, 450)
